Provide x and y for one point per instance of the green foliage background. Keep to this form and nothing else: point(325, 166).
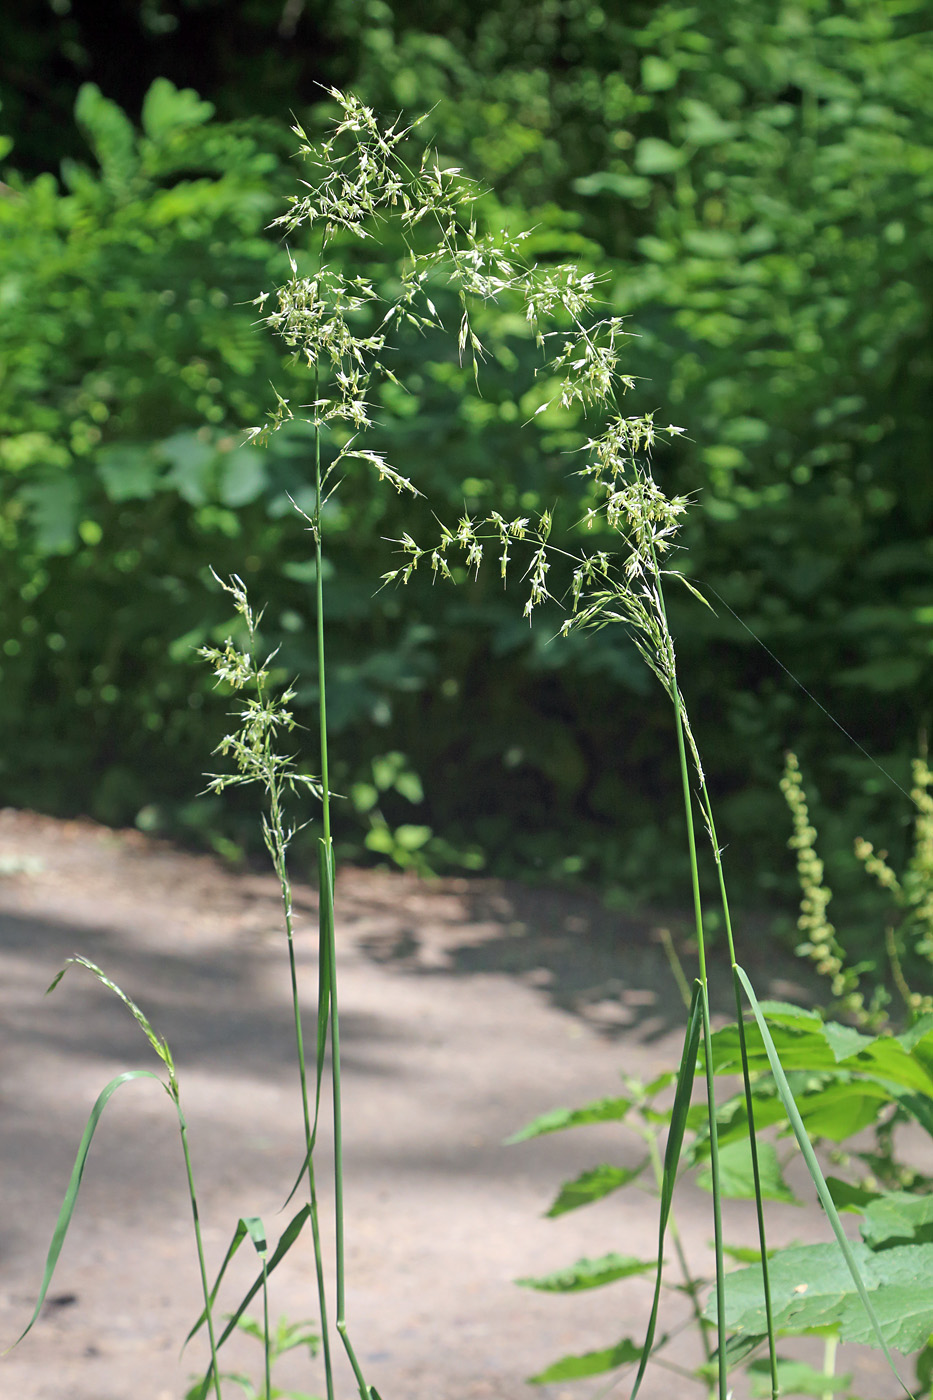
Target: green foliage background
point(753, 182)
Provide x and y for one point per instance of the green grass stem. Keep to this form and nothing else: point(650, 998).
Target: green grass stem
point(310, 1129)
point(707, 1044)
point(683, 1092)
point(202, 1264)
point(747, 1086)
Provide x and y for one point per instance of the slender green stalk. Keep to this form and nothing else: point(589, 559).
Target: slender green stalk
point(749, 1096)
point(708, 1050)
point(265, 1331)
point(202, 1265)
point(309, 1130)
point(319, 618)
point(327, 939)
point(829, 1362)
point(691, 1285)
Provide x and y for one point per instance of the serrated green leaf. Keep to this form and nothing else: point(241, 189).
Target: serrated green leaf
point(812, 1289)
point(588, 1273)
point(591, 1363)
point(167, 108)
point(814, 1168)
point(896, 1218)
point(557, 1119)
point(592, 1186)
point(110, 134)
point(737, 1178)
point(129, 471)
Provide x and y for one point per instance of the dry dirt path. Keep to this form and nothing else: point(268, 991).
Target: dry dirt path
point(466, 1009)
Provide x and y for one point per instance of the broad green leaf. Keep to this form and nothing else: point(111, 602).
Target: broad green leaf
point(812, 1289)
point(242, 476)
point(129, 471)
point(813, 1166)
point(660, 1081)
point(799, 1048)
point(110, 134)
point(657, 74)
point(167, 108)
point(887, 1058)
point(841, 1109)
point(656, 157)
point(919, 1037)
point(794, 1378)
point(592, 1186)
point(848, 1197)
point(704, 126)
point(845, 1041)
point(588, 1273)
point(744, 1254)
point(192, 461)
point(612, 182)
point(903, 1303)
point(737, 1179)
point(53, 502)
point(591, 1363)
point(732, 1121)
point(898, 1217)
point(924, 1364)
point(557, 1119)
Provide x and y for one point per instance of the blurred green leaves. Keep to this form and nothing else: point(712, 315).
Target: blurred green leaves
point(753, 184)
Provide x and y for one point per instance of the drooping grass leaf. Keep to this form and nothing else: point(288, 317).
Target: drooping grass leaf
point(672, 1154)
point(588, 1273)
point(815, 1171)
point(591, 1363)
point(737, 1179)
point(592, 1186)
point(557, 1119)
point(74, 1185)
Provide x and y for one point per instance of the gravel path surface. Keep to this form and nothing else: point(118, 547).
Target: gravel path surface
point(467, 1007)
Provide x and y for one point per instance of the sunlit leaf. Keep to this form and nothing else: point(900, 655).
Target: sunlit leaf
point(591, 1363)
point(592, 1186)
point(588, 1273)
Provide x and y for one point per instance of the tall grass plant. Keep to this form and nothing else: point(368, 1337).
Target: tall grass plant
point(364, 180)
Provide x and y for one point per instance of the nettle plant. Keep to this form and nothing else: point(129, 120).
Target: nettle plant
point(373, 186)
point(859, 1088)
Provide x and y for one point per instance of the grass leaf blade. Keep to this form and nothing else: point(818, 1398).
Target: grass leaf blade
point(74, 1185)
point(672, 1152)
